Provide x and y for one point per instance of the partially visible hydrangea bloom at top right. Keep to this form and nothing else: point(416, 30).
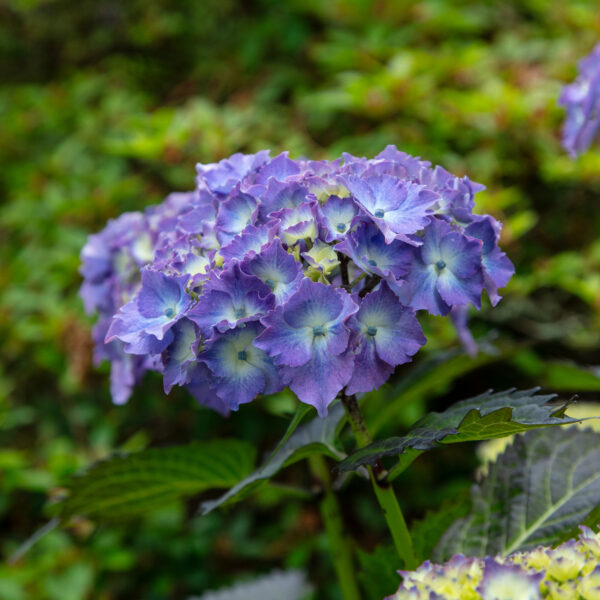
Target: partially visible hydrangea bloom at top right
point(582, 102)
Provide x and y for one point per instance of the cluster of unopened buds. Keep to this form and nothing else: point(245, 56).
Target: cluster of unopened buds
point(569, 572)
point(280, 272)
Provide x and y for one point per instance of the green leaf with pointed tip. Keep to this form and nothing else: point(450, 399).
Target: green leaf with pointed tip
point(318, 436)
point(126, 485)
point(484, 417)
point(542, 486)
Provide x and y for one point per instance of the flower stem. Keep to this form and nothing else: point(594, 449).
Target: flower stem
point(332, 519)
point(383, 489)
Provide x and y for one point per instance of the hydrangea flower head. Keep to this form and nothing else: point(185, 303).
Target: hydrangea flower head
point(281, 272)
point(581, 100)
point(569, 572)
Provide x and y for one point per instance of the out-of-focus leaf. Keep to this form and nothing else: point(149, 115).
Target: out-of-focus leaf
point(318, 436)
point(541, 487)
point(426, 533)
point(126, 485)
point(484, 417)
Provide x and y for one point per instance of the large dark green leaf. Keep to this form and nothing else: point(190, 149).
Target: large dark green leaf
point(542, 486)
point(318, 436)
point(484, 417)
point(127, 484)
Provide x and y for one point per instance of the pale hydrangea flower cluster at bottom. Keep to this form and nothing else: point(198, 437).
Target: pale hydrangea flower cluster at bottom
point(569, 572)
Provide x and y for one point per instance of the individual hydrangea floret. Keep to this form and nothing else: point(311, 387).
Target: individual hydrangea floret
point(278, 272)
point(570, 572)
point(581, 100)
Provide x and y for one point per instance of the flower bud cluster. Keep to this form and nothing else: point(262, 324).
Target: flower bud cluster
point(279, 272)
point(582, 102)
point(569, 572)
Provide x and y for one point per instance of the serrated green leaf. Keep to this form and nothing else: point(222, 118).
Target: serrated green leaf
point(541, 487)
point(484, 417)
point(318, 436)
point(378, 575)
point(125, 485)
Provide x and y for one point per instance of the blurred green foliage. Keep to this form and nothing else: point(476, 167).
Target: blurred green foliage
point(107, 105)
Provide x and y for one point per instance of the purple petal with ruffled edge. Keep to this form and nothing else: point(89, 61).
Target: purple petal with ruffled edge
point(336, 218)
point(297, 224)
point(235, 214)
point(241, 371)
point(248, 243)
point(179, 357)
point(397, 207)
point(448, 263)
point(280, 168)
point(229, 299)
point(143, 324)
point(221, 177)
point(368, 249)
point(277, 269)
point(309, 335)
point(385, 332)
point(279, 195)
point(319, 381)
point(497, 267)
point(201, 388)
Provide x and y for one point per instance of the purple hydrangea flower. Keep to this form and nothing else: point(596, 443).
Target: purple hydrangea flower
point(290, 272)
point(581, 100)
point(397, 207)
point(239, 371)
point(144, 324)
point(497, 268)
point(387, 334)
point(230, 299)
point(308, 338)
point(446, 271)
point(367, 248)
point(221, 177)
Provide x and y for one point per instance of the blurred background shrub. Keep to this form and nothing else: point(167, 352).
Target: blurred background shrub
point(107, 105)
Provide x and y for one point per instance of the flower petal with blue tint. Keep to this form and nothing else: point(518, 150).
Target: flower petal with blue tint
point(368, 249)
point(582, 102)
point(278, 196)
point(143, 324)
point(315, 313)
point(497, 267)
point(180, 356)
point(279, 168)
point(277, 269)
point(318, 381)
point(235, 214)
point(201, 387)
point(397, 207)
point(297, 224)
point(385, 332)
point(248, 243)
point(229, 299)
point(221, 177)
point(336, 218)
point(241, 371)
